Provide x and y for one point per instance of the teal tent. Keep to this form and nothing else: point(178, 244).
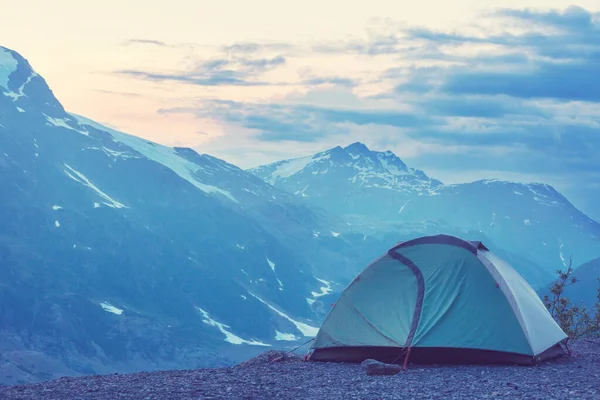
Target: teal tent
point(438, 299)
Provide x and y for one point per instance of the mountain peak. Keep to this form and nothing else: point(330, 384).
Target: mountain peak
point(357, 147)
point(23, 87)
point(387, 159)
point(350, 167)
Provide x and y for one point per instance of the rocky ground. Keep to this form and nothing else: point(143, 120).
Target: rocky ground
point(574, 377)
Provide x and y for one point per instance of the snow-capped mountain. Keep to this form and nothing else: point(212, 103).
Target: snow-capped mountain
point(376, 189)
point(349, 179)
point(119, 254)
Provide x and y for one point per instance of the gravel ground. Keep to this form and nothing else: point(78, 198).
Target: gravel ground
point(574, 377)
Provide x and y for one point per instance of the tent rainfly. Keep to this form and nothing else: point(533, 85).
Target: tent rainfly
point(439, 299)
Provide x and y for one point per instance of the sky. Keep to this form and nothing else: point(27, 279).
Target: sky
point(463, 90)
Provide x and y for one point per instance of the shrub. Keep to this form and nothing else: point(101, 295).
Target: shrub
point(577, 321)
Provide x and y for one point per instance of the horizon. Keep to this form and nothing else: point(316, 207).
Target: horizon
point(345, 146)
point(506, 90)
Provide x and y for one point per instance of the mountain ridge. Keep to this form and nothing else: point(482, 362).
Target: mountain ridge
point(502, 210)
point(120, 254)
point(360, 148)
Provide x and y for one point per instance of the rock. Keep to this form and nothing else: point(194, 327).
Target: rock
point(375, 367)
point(367, 362)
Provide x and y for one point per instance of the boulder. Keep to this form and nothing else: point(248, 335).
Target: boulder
point(374, 367)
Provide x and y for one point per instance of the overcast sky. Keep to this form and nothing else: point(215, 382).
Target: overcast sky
point(463, 90)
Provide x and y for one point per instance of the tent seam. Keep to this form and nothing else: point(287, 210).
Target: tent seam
point(420, 294)
point(489, 266)
point(373, 326)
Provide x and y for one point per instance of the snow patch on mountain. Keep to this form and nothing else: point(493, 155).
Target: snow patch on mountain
point(541, 198)
point(161, 154)
point(285, 336)
point(250, 191)
point(111, 309)
point(272, 265)
point(8, 65)
point(403, 206)
point(561, 255)
point(302, 192)
point(305, 329)
point(229, 337)
point(63, 123)
point(324, 289)
point(80, 178)
point(21, 91)
point(287, 168)
point(117, 154)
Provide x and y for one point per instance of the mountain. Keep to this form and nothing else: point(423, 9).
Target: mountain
point(538, 226)
point(118, 254)
point(350, 180)
point(584, 291)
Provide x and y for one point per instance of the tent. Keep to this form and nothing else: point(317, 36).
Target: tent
point(438, 299)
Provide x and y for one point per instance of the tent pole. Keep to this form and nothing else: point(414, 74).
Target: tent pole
point(406, 359)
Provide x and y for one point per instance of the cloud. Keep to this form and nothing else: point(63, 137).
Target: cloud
point(126, 94)
point(255, 48)
point(262, 64)
point(221, 79)
point(144, 41)
point(233, 71)
point(531, 92)
point(392, 41)
point(572, 19)
point(301, 123)
point(331, 80)
point(562, 62)
point(572, 80)
point(493, 107)
point(517, 94)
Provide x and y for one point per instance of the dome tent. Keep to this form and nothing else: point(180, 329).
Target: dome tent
point(439, 299)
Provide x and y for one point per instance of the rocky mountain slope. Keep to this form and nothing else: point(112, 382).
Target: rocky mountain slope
point(574, 377)
point(377, 190)
point(120, 254)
